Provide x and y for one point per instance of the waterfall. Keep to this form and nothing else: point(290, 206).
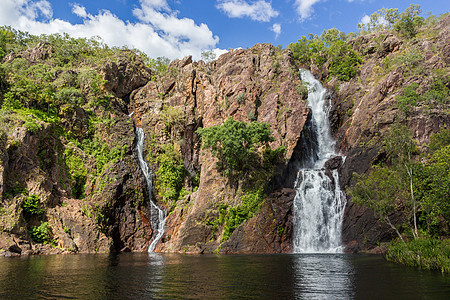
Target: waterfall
point(157, 218)
point(319, 203)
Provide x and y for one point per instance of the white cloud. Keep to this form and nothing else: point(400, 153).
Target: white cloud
point(218, 52)
point(258, 10)
point(79, 11)
point(365, 19)
point(159, 31)
point(304, 8)
point(277, 29)
point(156, 4)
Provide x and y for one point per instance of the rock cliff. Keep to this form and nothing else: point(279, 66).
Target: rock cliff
point(256, 84)
point(82, 165)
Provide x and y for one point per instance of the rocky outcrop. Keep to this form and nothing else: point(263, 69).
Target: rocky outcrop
point(106, 208)
point(366, 107)
point(259, 84)
point(101, 211)
point(270, 231)
point(125, 75)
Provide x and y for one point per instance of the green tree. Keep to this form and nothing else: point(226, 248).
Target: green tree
point(170, 174)
point(434, 185)
point(382, 191)
point(235, 143)
point(406, 23)
point(159, 65)
point(400, 148)
point(409, 21)
point(331, 46)
point(388, 188)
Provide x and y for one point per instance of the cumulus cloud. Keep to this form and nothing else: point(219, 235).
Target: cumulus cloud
point(159, 31)
point(79, 11)
point(256, 10)
point(365, 19)
point(277, 29)
point(305, 8)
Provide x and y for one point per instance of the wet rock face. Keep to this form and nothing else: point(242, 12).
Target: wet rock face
point(256, 84)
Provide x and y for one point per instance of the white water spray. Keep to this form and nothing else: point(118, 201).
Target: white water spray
point(319, 203)
point(157, 218)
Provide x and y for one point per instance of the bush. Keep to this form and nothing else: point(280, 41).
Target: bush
point(438, 92)
point(78, 173)
point(42, 234)
point(32, 125)
point(235, 143)
point(240, 98)
point(31, 206)
point(409, 98)
point(69, 95)
point(250, 204)
point(170, 175)
point(428, 254)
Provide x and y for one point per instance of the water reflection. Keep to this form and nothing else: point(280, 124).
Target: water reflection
point(174, 276)
point(324, 276)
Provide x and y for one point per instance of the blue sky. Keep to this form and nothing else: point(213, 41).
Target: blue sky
point(176, 28)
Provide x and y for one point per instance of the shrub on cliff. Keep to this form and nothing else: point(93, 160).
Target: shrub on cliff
point(406, 23)
point(42, 234)
point(330, 47)
point(235, 144)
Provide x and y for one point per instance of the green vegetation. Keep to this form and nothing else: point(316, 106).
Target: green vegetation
point(330, 48)
point(427, 254)
point(438, 94)
point(42, 234)
point(170, 174)
point(78, 173)
point(158, 65)
point(208, 56)
point(406, 23)
point(409, 98)
point(420, 190)
point(31, 206)
point(235, 144)
point(250, 204)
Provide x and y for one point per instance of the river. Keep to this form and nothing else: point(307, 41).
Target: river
point(179, 276)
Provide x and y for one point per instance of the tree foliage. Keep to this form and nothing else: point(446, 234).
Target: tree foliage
point(406, 23)
point(235, 144)
point(170, 174)
point(418, 190)
point(331, 46)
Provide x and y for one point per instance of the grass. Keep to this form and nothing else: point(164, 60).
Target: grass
point(423, 253)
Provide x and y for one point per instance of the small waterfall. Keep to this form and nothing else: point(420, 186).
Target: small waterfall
point(157, 218)
point(319, 203)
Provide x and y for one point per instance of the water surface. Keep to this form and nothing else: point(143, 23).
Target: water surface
point(177, 276)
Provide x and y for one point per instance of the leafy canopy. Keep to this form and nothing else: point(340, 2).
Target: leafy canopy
point(235, 143)
point(331, 46)
point(406, 23)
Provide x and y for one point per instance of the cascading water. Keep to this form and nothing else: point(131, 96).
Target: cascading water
point(157, 218)
point(319, 202)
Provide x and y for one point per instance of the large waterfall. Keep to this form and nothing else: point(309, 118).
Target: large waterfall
point(319, 202)
point(157, 218)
